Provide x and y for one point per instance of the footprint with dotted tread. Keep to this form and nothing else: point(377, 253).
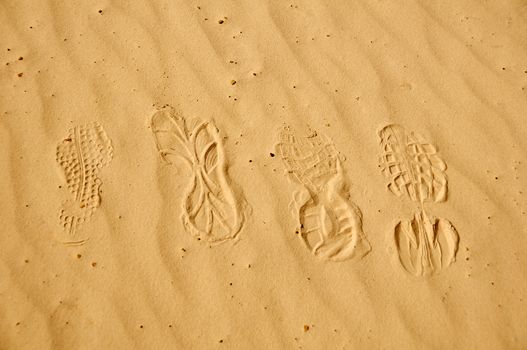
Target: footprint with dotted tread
point(82, 155)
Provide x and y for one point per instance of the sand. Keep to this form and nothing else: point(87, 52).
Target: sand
point(263, 175)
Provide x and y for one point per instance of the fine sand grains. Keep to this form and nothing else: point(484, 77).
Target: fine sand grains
point(205, 174)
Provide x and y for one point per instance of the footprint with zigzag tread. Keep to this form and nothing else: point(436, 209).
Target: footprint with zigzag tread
point(426, 245)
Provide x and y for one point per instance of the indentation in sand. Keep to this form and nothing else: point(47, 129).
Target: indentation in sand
point(426, 245)
point(81, 155)
point(211, 209)
point(330, 224)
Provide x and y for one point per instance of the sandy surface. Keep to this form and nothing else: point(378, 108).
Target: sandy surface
point(184, 174)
